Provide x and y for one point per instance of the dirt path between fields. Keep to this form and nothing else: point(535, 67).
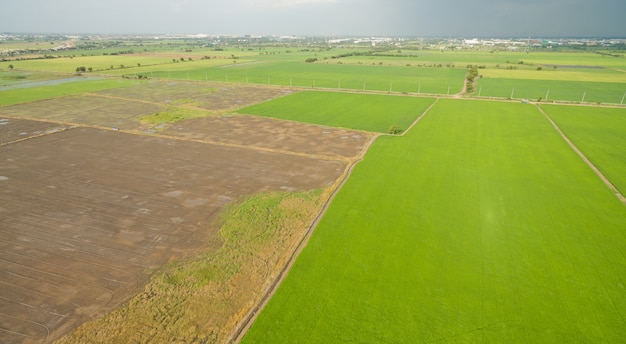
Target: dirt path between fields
point(419, 118)
point(249, 319)
point(593, 167)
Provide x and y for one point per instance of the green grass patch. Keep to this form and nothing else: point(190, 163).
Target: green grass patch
point(199, 299)
point(97, 63)
point(600, 133)
point(376, 113)
point(17, 96)
point(12, 77)
point(572, 91)
point(480, 225)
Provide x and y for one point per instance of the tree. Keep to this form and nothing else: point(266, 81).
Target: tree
point(81, 69)
point(11, 67)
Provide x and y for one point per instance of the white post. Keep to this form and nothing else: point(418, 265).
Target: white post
point(480, 89)
point(622, 102)
point(419, 87)
point(512, 91)
point(584, 94)
point(547, 94)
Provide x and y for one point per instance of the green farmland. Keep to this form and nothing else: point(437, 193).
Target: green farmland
point(548, 90)
point(600, 133)
point(8, 97)
point(377, 113)
point(477, 224)
point(480, 225)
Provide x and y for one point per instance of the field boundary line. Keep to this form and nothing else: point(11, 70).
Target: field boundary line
point(419, 118)
point(50, 132)
point(93, 94)
point(243, 327)
point(593, 167)
point(234, 145)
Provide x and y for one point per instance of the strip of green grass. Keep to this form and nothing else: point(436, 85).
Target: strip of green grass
point(317, 75)
point(199, 299)
point(10, 97)
point(480, 225)
point(574, 91)
point(600, 133)
point(377, 113)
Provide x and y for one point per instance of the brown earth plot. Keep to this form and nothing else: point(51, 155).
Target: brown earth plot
point(88, 213)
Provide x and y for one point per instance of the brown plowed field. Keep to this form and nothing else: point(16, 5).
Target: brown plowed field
point(272, 134)
point(87, 214)
point(208, 96)
point(86, 109)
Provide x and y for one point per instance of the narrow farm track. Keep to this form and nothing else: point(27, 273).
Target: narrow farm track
point(249, 319)
point(420, 117)
point(593, 167)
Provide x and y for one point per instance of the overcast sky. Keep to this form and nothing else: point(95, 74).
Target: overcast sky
point(458, 18)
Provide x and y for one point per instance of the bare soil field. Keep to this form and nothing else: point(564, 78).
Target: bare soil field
point(88, 214)
point(204, 95)
point(16, 129)
point(85, 109)
point(272, 134)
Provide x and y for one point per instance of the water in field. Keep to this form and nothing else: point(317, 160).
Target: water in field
point(47, 83)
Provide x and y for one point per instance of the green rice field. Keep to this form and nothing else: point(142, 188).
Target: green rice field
point(600, 133)
point(477, 224)
point(480, 225)
point(377, 113)
point(16, 96)
point(548, 90)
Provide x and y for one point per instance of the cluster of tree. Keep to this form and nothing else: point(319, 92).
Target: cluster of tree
point(472, 74)
point(395, 130)
point(182, 59)
point(609, 54)
point(354, 53)
point(122, 52)
point(137, 76)
point(82, 69)
point(311, 60)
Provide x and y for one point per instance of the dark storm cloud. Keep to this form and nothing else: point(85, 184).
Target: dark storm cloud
point(320, 17)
